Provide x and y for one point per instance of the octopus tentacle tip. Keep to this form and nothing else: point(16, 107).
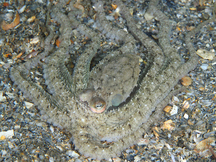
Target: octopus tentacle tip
point(97, 105)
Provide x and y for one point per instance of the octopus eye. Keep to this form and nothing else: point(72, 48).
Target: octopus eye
point(97, 105)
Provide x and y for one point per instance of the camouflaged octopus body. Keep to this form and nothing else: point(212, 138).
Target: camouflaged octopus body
point(114, 78)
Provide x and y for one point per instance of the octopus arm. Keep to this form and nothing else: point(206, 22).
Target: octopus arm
point(91, 146)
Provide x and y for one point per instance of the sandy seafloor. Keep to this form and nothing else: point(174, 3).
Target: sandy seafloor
point(187, 133)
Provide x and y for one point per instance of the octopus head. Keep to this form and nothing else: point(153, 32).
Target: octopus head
point(96, 104)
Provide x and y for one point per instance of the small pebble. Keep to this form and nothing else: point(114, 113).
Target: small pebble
point(28, 104)
point(72, 154)
point(167, 109)
point(34, 40)
point(51, 159)
point(137, 158)
point(3, 153)
point(6, 134)
point(174, 110)
point(22, 9)
point(60, 148)
point(186, 116)
point(204, 144)
point(186, 81)
point(169, 125)
point(10, 95)
point(31, 19)
point(206, 54)
point(17, 127)
point(52, 129)
point(129, 151)
point(204, 66)
point(2, 98)
point(175, 100)
point(117, 159)
point(185, 106)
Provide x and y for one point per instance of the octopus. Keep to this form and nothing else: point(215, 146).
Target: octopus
point(109, 107)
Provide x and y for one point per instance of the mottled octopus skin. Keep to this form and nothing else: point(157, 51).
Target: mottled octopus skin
point(123, 126)
point(115, 75)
